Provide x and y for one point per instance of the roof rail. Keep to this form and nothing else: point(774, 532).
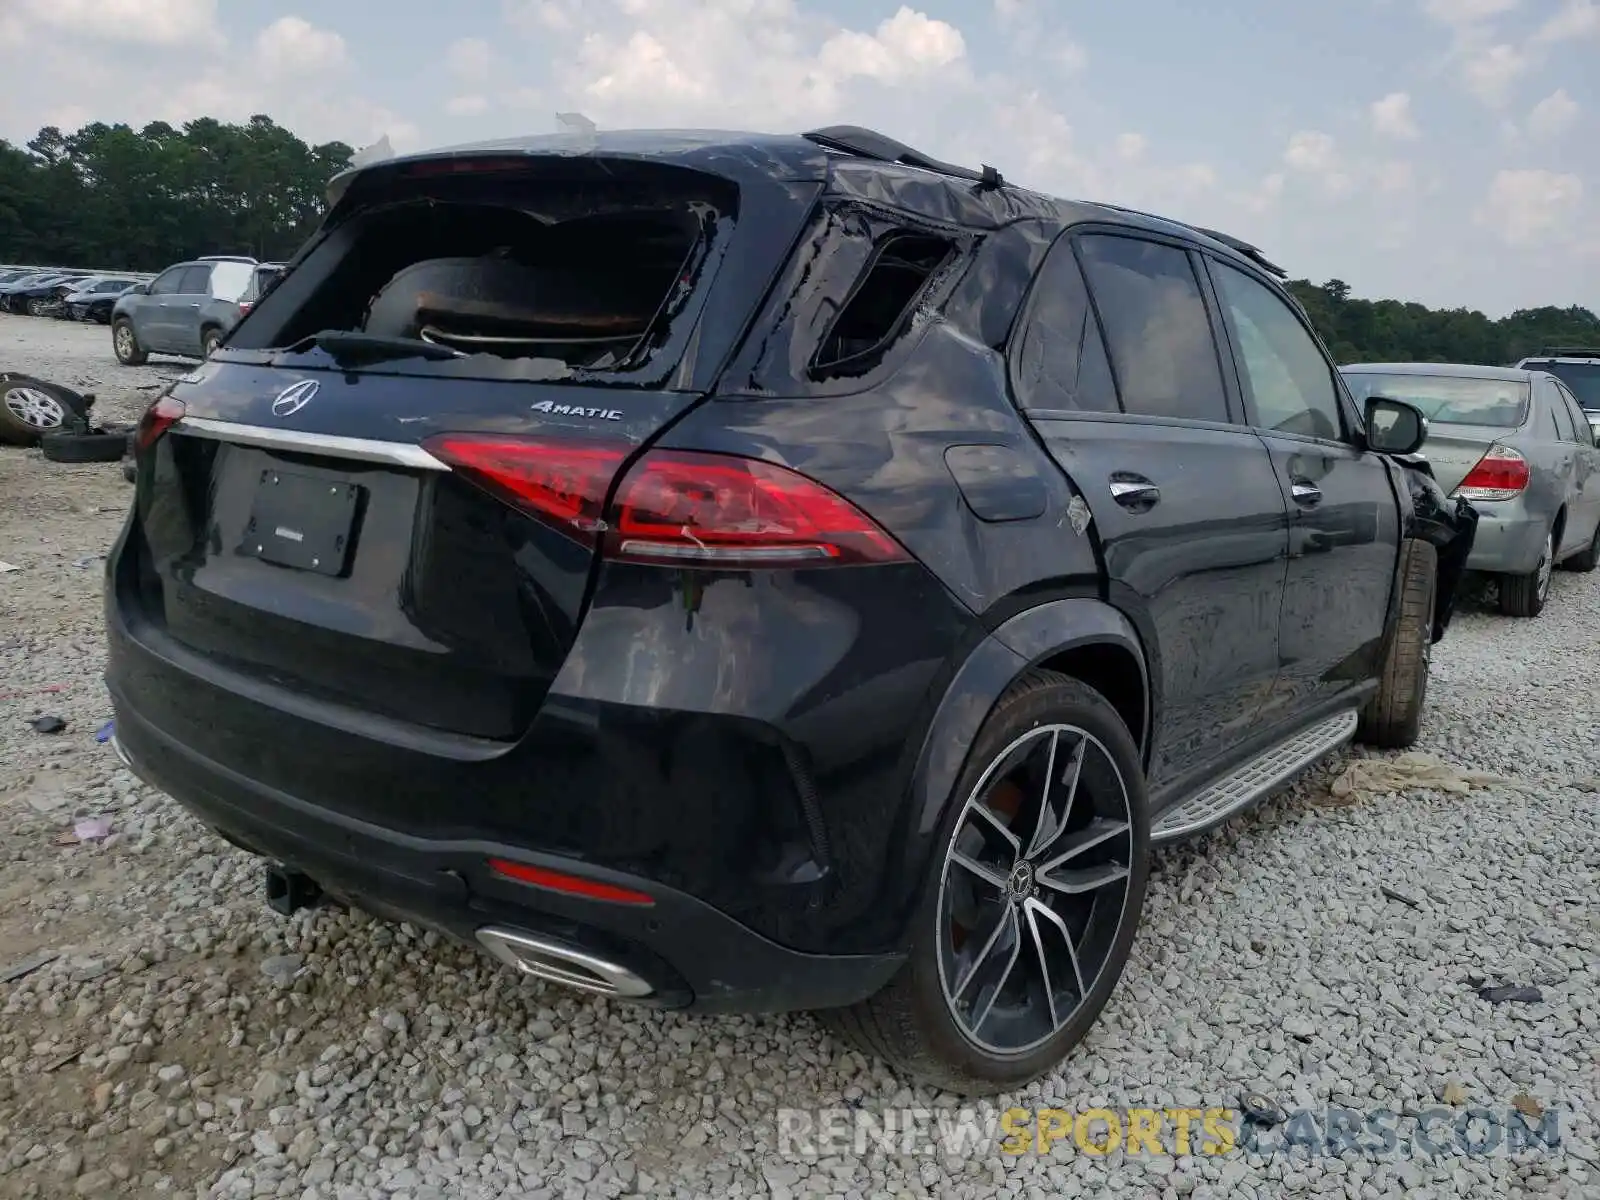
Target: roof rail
point(1568, 352)
point(1237, 245)
point(868, 143)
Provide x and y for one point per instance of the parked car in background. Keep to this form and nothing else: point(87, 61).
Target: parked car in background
point(1518, 446)
point(14, 275)
point(53, 303)
point(807, 575)
point(14, 296)
point(1578, 369)
point(261, 280)
point(94, 302)
point(185, 310)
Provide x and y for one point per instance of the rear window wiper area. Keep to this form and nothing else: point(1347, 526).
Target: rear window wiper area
point(348, 347)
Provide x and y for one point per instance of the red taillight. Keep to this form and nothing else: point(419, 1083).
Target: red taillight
point(573, 885)
point(1501, 474)
point(563, 483)
point(245, 306)
point(673, 507)
point(685, 507)
point(157, 419)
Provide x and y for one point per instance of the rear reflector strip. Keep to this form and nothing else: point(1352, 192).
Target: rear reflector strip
point(398, 454)
point(572, 885)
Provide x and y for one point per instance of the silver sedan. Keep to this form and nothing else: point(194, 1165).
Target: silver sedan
point(1518, 446)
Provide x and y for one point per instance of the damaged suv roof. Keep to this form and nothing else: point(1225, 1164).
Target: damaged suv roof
point(942, 192)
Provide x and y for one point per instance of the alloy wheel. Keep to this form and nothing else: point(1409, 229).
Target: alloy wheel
point(1034, 889)
point(124, 337)
point(1547, 565)
point(35, 408)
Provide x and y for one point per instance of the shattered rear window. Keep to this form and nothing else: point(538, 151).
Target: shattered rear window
point(527, 274)
point(858, 290)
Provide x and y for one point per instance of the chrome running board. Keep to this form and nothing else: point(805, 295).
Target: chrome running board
point(1253, 780)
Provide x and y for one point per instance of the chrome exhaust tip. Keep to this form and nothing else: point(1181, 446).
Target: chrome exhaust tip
point(563, 965)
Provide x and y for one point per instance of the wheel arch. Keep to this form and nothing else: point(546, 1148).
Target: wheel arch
point(1084, 638)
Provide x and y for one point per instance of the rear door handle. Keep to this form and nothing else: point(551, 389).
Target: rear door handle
point(1134, 491)
point(1305, 493)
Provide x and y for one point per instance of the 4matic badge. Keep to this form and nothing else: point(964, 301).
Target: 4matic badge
point(577, 410)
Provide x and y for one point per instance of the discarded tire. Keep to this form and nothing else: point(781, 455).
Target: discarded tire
point(84, 447)
point(31, 408)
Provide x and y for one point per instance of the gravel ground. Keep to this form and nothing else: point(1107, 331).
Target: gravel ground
point(188, 1041)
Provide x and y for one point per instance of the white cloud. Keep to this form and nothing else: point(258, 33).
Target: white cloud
point(470, 59)
point(467, 106)
point(1391, 117)
point(1577, 19)
point(906, 44)
point(1466, 12)
point(1314, 156)
point(1492, 74)
point(1525, 207)
point(1553, 115)
point(294, 46)
point(150, 22)
point(1311, 151)
point(1131, 146)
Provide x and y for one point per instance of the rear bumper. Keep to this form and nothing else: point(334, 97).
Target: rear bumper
point(1509, 539)
point(690, 954)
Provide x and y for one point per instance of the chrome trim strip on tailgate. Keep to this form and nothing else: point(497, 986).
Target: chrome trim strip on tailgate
point(399, 454)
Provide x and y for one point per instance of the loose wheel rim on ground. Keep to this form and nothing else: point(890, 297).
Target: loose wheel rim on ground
point(1034, 890)
point(35, 408)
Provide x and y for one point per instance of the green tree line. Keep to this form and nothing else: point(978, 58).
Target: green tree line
point(1397, 331)
point(115, 197)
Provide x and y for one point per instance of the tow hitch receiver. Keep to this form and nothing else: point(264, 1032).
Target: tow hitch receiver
point(289, 891)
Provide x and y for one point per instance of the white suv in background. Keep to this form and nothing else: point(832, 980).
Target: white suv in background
point(1578, 370)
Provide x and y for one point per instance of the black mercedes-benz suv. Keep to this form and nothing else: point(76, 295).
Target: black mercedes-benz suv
point(765, 572)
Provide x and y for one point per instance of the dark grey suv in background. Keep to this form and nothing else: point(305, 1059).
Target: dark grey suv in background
point(185, 310)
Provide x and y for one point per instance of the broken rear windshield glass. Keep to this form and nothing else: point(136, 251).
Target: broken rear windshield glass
point(1448, 399)
point(512, 275)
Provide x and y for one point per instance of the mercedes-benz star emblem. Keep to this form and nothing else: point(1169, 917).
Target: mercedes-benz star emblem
point(294, 397)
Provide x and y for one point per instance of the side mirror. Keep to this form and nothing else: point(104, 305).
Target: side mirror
point(1395, 427)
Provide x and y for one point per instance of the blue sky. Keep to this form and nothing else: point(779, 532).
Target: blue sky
point(1446, 151)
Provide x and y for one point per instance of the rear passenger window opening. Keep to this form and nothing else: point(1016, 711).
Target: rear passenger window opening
point(584, 274)
point(880, 306)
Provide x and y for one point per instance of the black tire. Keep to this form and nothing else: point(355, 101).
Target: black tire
point(130, 470)
point(1393, 717)
point(910, 1023)
point(1525, 595)
point(84, 447)
point(125, 344)
point(31, 408)
point(210, 339)
point(1585, 561)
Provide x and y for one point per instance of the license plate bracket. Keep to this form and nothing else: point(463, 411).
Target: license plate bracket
point(300, 521)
